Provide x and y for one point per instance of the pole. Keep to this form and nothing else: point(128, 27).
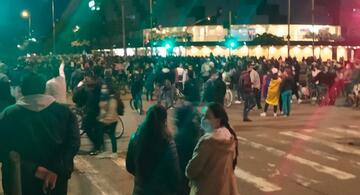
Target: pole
point(123, 27)
point(289, 21)
point(313, 26)
point(29, 20)
point(229, 33)
point(53, 25)
point(151, 26)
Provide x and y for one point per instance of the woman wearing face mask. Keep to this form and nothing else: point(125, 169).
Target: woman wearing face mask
point(215, 155)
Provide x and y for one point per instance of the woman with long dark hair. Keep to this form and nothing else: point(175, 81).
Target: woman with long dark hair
point(215, 156)
point(188, 132)
point(152, 156)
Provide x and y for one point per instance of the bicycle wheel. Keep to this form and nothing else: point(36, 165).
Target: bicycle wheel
point(228, 98)
point(119, 131)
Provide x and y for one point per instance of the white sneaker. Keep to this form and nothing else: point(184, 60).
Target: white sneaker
point(299, 101)
point(281, 113)
point(263, 114)
point(275, 115)
point(237, 102)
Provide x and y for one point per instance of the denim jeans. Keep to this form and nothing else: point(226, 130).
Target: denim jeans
point(249, 103)
point(286, 102)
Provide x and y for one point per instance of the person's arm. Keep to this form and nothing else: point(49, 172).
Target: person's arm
point(61, 69)
point(198, 160)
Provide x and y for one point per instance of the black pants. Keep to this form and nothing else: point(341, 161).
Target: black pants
point(257, 94)
point(248, 104)
point(91, 124)
point(109, 129)
point(267, 107)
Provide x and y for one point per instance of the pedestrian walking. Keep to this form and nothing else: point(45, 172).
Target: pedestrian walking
point(211, 169)
point(46, 136)
point(246, 86)
point(152, 157)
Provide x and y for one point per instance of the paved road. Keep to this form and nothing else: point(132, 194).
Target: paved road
point(315, 151)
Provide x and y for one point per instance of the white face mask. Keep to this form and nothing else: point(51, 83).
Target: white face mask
point(206, 126)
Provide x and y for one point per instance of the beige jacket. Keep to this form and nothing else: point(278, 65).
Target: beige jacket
point(210, 170)
point(108, 111)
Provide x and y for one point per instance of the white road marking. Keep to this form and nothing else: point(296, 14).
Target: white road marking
point(305, 181)
point(258, 182)
point(314, 165)
point(85, 167)
point(338, 147)
point(323, 154)
point(345, 131)
point(321, 133)
point(120, 162)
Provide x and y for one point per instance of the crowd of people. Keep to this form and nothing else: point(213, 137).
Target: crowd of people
point(38, 122)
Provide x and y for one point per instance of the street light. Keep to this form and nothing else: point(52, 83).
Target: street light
point(26, 14)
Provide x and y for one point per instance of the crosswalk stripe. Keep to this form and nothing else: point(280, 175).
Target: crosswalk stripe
point(85, 167)
point(314, 165)
point(120, 162)
point(345, 131)
point(321, 133)
point(258, 182)
point(338, 147)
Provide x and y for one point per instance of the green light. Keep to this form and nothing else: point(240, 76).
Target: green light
point(167, 46)
point(232, 44)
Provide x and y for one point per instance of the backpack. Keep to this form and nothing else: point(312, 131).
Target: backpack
point(245, 81)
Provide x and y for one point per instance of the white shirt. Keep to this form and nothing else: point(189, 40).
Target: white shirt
point(56, 87)
point(255, 79)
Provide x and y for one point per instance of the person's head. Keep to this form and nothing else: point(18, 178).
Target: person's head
point(33, 84)
point(215, 117)
point(275, 73)
point(156, 121)
point(250, 66)
point(187, 119)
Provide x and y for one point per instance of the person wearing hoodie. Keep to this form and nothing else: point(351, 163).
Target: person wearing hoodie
point(215, 154)
point(46, 136)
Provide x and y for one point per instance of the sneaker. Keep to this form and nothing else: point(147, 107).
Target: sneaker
point(247, 120)
point(95, 152)
point(281, 113)
point(275, 115)
point(263, 114)
point(299, 101)
point(237, 102)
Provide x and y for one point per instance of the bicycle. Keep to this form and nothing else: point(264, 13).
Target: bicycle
point(229, 97)
point(79, 113)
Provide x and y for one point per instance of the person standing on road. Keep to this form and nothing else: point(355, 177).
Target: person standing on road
point(152, 156)
point(211, 169)
point(188, 132)
point(256, 86)
point(247, 91)
point(285, 88)
point(46, 136)
point(88, 96)
point(107, 120)
point(273, 93)
point(192, 89)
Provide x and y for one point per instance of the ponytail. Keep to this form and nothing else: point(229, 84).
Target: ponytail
point(232, 132)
